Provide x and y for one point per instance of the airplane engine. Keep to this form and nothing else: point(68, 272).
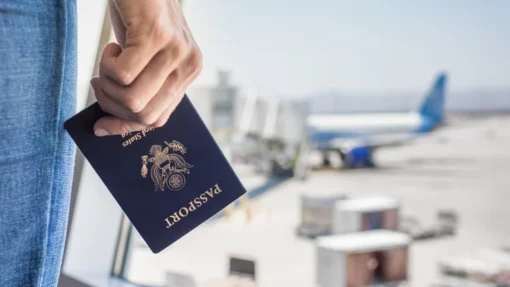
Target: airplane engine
point(358, 157)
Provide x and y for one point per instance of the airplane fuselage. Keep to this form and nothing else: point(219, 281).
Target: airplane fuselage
point(355, 136)
point(329, 126)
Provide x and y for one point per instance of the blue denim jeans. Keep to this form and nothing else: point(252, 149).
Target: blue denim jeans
point(37, 94)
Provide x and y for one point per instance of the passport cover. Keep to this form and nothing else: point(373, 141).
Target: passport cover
point(167, 180)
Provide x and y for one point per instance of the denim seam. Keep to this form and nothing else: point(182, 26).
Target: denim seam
point(63, 46)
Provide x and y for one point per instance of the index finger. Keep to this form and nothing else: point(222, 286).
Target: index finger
point(124, 65)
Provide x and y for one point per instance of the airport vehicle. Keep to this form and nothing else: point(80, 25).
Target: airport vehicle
point(355, 136)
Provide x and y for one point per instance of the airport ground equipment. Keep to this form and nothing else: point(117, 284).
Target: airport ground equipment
point(365, 213)
point(242, 267)
point(230, 281)
point(241, 273)
point(482, 265)
point(176, 279)
point(445, 225)
point(362, 258)
point(317, 213)
point(448, 281)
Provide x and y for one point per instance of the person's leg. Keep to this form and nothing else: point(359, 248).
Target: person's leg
point(37, 94)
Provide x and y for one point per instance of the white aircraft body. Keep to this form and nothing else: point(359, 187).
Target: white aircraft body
point(356, 136)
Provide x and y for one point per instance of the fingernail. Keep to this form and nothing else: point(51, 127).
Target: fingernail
point(101, 133)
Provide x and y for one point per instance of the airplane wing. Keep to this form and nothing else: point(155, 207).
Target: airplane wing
point(372, 142)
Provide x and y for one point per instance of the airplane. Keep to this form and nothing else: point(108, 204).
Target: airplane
point(355, 136)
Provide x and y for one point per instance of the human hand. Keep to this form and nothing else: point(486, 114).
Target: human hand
point(143, 78)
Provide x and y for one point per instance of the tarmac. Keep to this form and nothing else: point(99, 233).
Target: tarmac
point(462, 167)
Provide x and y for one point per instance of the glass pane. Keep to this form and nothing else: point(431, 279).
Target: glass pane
point(372, 138)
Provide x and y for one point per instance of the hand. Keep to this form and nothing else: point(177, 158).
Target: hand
point(144, 78)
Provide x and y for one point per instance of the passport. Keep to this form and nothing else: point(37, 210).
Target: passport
point(167, 180)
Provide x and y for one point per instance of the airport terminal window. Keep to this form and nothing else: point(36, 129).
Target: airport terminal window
point(371, 143)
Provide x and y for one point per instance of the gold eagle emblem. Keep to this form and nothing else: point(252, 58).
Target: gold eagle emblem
point(168, 169)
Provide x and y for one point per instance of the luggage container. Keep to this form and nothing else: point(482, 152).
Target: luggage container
point(362, 258)
point(365, 213)
point(317, 213)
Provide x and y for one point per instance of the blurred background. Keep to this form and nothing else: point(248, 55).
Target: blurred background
point(372, 138)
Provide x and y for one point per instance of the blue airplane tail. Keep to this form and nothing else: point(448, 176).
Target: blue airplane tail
point(433, 105)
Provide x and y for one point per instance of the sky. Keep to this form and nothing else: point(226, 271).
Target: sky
point(292, 48)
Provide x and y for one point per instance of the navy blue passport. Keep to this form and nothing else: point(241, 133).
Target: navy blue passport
point(167, 180)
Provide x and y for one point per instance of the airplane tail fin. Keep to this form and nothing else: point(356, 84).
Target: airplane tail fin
point(433, 105)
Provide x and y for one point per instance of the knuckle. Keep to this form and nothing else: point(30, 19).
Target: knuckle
point(147, 119)
point(160, 122)
point(162, 35)
point(158, 31)
point(133, 105)
point(124, 77)
point(195, 61)
point(110, 50)
point(179, 49)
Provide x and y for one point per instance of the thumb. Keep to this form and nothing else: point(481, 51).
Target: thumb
point(111, 125)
